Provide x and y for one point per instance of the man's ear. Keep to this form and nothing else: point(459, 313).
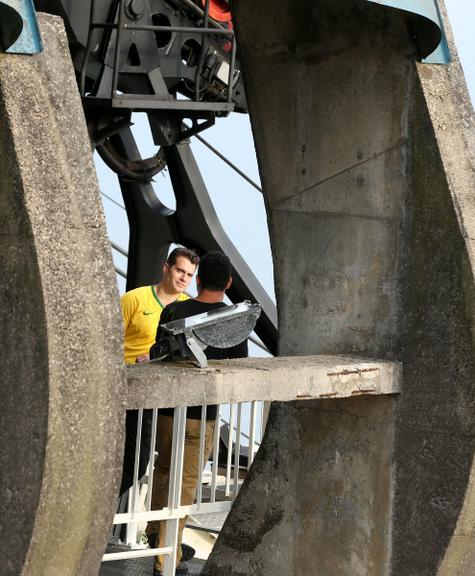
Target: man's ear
point(165, 268)
point(228, 283)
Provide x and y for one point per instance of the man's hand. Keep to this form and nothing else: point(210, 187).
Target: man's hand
point(142, 358)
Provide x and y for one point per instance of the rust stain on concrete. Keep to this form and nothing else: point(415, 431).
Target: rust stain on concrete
point(348, 372)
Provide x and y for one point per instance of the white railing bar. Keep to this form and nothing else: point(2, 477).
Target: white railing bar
point(252, 435)
point(177, 451)
point(171, 540)
point(138, 440)
point(131, 527)
point(143, 553)
point(230, 451)
point(166, 514)
point(216, 438)
point(237, 449)
point(201, 465)
point(174, 487)
point(151, 464)
point(112, 200)
point(243, 434)
point(181, 455)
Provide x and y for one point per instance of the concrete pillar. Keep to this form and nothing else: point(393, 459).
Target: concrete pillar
point(61, 368)
point(372, 247)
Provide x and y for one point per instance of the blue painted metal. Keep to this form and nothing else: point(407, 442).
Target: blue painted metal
point(425, 18)
point(11, 25)
point(29, 40)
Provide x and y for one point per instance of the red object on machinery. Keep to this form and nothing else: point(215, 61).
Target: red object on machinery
point(227, 46)
point(219, 10)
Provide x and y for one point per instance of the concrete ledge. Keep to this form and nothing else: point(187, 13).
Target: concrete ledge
point(161, 384)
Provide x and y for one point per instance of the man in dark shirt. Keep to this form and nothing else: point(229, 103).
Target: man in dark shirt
point(213, 279)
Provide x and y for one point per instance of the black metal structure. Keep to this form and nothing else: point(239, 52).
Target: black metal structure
point(142, 54)
point(171, 60)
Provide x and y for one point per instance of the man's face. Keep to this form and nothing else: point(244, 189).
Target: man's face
point(178, 277)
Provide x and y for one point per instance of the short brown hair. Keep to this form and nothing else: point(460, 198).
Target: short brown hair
point(190, 255)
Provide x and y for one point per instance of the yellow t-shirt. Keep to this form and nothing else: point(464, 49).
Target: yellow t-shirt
point(141, 310)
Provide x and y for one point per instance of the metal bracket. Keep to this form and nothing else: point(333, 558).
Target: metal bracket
point(426, 24)
point(197, 352)
point(19, 31)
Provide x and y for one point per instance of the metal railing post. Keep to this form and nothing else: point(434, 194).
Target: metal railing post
point(227, 489)
point(151, 464)
point(216, 439)
point(237, 450)
point(199, 494)
point(120, 27)
point(131, 532)
point(252, 435)
point(174, 488)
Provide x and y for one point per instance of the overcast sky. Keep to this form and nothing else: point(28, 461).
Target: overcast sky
point(239, 206)
point(462, 19)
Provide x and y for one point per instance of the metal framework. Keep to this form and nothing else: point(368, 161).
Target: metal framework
point(171, 60)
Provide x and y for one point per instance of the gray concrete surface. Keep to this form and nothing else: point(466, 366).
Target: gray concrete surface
point(367, 166)
point(162, 385)
point(61, 361)
point(368, 170)
point(443, 521)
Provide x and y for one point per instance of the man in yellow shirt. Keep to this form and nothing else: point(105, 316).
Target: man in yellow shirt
point(141, 311)
point(142, 307)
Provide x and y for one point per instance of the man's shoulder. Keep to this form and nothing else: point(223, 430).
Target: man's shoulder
point(136, 292)
point(180, 308)
point(197, 307)
point(184, 308)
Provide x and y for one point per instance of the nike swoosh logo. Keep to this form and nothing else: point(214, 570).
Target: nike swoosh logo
point(148, 313)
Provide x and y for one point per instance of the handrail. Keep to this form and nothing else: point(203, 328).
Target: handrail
point(120, 272)
point(232, 382)
point(228, 162)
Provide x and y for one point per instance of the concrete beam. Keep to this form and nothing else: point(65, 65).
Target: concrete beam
point(163, 385)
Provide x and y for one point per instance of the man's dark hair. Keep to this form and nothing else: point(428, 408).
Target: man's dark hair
point(214, 271)
point(190, 255)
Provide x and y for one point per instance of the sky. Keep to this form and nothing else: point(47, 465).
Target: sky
point(239, 205)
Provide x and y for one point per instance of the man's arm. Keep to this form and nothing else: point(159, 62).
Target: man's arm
point(128, 304)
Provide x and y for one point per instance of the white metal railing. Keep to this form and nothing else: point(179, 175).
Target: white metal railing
point(236, 425)
point(246, 383)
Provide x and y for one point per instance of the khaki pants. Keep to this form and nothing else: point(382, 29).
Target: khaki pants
point(191, 467)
